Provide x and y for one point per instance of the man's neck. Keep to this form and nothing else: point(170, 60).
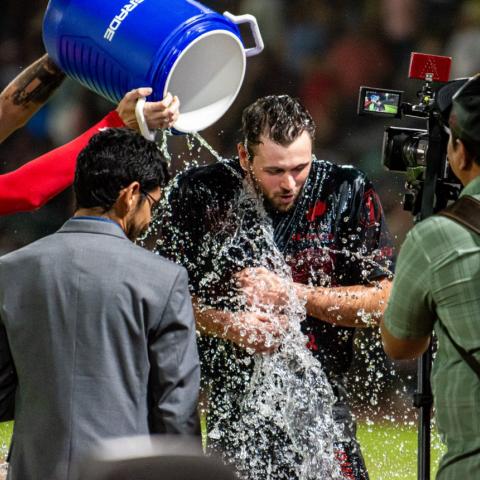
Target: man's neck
point(472, 174)
point(98, 212)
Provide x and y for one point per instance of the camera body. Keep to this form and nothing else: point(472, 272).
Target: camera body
point(419, 153)
point(405, 149)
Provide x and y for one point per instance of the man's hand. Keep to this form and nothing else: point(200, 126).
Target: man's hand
point(256, 332)
point(253, 331)
point(161, 114)
point(263, 288)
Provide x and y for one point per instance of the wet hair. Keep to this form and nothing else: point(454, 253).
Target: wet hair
point(280, 118)
point(112, 160)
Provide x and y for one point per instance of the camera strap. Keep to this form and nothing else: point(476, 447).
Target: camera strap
point(466, 212)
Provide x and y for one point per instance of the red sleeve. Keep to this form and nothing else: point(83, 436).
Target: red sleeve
point(35, 183)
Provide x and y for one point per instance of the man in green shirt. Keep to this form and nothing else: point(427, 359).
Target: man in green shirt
point(438, 284)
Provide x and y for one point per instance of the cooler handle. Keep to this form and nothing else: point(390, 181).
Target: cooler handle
point(247, 18)
point(142, 124)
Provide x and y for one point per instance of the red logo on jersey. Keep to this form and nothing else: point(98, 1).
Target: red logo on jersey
point(373, 209)
point(311, 344)
point(311, 263)
point(316, 211)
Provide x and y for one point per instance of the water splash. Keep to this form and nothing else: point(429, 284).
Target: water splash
point(161, 139)
point(203, 143)
point(272, 414)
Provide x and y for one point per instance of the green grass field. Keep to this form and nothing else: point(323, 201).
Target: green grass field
point(5, 436)
point(390, 450)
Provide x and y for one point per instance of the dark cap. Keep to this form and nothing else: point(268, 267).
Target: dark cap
point(465, 116)
point(445, 94)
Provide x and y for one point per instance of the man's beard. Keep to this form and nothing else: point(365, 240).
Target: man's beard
point(271, 205)
point(268, 203)
point(135, 232)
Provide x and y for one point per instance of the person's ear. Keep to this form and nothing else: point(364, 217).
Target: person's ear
point(128, 199)
point(243, 156)
point(464, 161)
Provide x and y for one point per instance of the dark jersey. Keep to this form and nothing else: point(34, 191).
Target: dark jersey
point(335, 235)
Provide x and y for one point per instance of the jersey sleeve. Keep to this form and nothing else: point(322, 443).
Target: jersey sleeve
point(35, 183)
point(184, 224)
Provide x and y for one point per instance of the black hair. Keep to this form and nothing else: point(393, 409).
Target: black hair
point(112, 160)
point(280, 118)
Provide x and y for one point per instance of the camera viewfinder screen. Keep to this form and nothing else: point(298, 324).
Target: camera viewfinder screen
point(376, 101)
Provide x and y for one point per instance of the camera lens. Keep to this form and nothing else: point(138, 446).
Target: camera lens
point(414, 150)
point(404, 148)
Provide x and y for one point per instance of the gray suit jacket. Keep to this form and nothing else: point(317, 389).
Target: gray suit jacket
point(101, 335)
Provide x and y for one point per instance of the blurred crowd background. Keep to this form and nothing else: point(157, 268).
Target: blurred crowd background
point(320, 51)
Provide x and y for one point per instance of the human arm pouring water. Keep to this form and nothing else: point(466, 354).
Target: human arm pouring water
point(162, 114)
point(35, 183)
point(26, 93)
point(31, 89)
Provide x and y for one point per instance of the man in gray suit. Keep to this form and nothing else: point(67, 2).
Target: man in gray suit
point(97, 335)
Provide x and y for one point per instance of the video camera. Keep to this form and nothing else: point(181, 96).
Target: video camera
point(420, 153)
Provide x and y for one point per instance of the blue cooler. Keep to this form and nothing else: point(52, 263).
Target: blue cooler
point(176, 46)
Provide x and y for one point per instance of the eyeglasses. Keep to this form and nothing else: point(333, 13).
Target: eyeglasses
point(154, 204)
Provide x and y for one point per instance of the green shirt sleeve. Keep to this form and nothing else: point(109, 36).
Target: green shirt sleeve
point(409, 313)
